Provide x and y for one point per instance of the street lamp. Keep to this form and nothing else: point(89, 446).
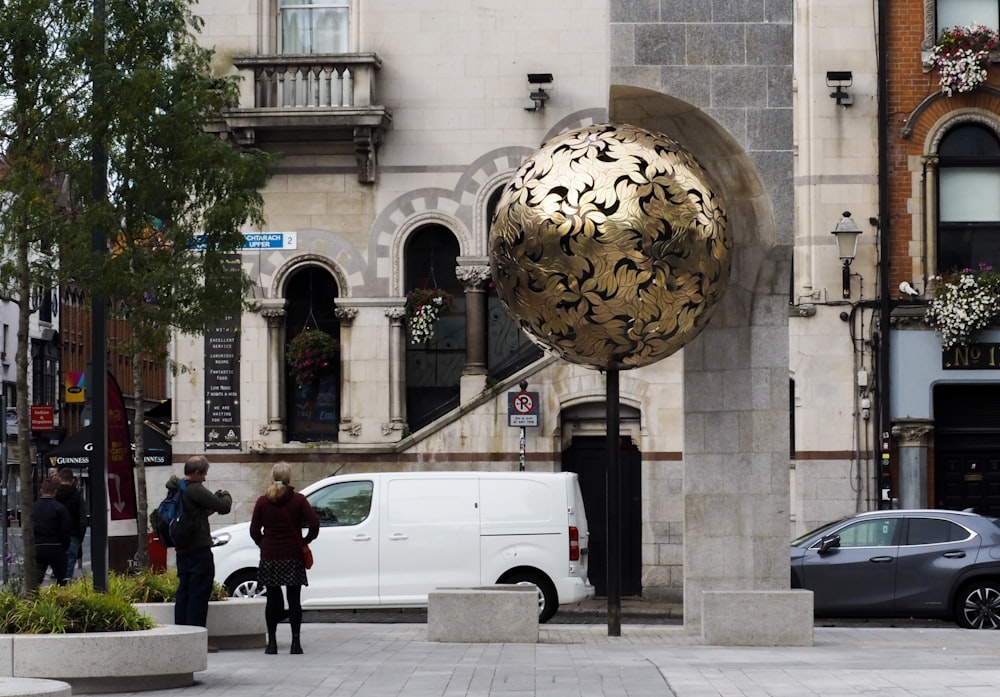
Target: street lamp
point(847, 233)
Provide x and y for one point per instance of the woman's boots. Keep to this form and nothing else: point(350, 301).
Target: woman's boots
point(296, 646)
point(272, 643)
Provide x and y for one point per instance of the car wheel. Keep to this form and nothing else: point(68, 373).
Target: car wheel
point(978, 606)
point(548, 603)
point(243, 584)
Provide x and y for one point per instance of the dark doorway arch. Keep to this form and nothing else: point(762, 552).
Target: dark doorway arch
point(313, 409)
point(587, 456)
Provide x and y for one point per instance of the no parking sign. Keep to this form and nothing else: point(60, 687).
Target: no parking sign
point(522, 408)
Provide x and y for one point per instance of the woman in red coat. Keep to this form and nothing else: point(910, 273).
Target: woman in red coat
point(276, 526)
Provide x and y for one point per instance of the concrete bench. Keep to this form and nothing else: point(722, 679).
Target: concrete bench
point(757, 618)
point(106, 662)
point(484, 614)
point(234, 623)
point(34, 687)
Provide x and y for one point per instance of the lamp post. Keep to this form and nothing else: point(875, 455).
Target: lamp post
point(847, 233)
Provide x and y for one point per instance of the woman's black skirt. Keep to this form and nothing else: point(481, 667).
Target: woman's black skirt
point(282, 572)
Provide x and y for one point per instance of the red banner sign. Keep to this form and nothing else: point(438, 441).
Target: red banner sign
point(43, 418)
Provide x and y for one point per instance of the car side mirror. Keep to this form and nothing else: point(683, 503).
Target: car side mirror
point(829, 542)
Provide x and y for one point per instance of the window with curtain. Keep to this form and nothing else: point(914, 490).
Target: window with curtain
point(951, 13)
point(968, 232)
point(314, 26)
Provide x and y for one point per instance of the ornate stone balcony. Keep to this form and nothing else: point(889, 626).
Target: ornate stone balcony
point(315, 97)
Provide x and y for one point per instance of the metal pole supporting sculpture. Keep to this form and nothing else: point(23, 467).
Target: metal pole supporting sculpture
point(611, 250)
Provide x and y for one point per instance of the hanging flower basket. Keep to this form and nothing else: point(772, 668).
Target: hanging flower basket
point(961, 56)
point(965, 303)
point(311, 354)
point(424, 307)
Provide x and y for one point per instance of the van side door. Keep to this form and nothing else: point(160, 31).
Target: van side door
point(345, 570)
point(430, 537)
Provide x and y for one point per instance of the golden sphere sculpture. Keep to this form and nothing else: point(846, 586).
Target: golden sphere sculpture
point(609, 248)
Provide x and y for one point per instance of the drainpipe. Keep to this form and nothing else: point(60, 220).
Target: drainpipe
point(884, 425)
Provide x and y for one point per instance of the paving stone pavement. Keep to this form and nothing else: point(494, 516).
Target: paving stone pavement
point(574, 660)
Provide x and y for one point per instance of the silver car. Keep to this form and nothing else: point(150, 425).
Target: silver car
point(904, 563)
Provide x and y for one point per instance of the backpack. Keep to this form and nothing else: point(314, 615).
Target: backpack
point(173, 527)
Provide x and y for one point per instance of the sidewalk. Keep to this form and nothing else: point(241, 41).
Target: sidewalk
point(396, 660)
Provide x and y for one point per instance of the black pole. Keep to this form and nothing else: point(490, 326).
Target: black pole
point(613, 506)
point(98, 334)
point(884, 413)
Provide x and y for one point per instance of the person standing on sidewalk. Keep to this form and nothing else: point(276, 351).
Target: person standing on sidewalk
point(195, 563)
point(276, 526)
point(52, 533)
point(68, 495)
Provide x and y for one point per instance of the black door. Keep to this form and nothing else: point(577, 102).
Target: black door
point(967, 447)
point(587, 457)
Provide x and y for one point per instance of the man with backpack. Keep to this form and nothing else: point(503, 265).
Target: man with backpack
point(195, 563)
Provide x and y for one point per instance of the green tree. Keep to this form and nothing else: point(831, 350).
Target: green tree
point(41, 101)
point(134, 81)
point(179, 195)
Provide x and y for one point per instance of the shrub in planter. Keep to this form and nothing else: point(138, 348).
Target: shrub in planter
point(71, 609)
point(148, 586)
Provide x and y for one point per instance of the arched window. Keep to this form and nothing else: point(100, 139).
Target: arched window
point(312, 409)
point(508, 349)
point(968, 232)
point(434, 367)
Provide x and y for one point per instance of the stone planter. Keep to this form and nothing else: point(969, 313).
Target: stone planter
point(235, 623)
point(105, 662)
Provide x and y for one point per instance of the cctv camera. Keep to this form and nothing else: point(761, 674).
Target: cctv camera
point(905, 287)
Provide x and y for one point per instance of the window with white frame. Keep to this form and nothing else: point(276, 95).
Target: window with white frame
point(951, 13)
point(968, 232)
point(314, 26)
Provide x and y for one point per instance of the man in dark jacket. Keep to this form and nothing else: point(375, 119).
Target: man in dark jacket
point(195, 563)
point(52, 532)
point(68, 495)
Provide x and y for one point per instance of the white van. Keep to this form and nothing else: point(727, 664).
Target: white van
point(389, 538)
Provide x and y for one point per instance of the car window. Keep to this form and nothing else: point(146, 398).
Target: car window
point(344, 503)
point(869, 533)
point(930, 531)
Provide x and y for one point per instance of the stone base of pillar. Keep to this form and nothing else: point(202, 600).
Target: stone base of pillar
point(471, 386)
point(757, 618)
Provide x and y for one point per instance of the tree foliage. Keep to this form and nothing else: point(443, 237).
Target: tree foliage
point(178, 193)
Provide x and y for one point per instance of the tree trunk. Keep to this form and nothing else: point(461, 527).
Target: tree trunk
point(25, 465)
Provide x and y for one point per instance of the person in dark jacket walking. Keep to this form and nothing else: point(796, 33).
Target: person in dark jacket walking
point(52, 533)
point(195, 563)
point(68, 495)
point(276, 526)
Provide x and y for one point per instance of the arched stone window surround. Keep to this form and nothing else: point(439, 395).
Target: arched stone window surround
point(460, 232)
point(925, 226)
point(288, 269)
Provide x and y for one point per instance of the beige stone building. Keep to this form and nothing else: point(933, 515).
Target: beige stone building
point(400, 122)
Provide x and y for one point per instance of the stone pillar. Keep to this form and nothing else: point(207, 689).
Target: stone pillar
point(273, 312)
point(913, 437)
point(397, 370)
point(474, 278)
point(346, 316)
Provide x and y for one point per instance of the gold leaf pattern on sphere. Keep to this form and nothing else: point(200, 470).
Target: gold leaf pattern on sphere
point(609, 248)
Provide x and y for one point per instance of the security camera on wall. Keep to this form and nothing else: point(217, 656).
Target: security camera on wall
point(907, 289)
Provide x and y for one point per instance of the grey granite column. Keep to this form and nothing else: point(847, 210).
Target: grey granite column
point(274, 315)
point(913, 436)
point(397, 369)
point(346, 316)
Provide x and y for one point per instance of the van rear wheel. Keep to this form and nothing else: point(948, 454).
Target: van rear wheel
point(243, 584)
point(548, 603)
